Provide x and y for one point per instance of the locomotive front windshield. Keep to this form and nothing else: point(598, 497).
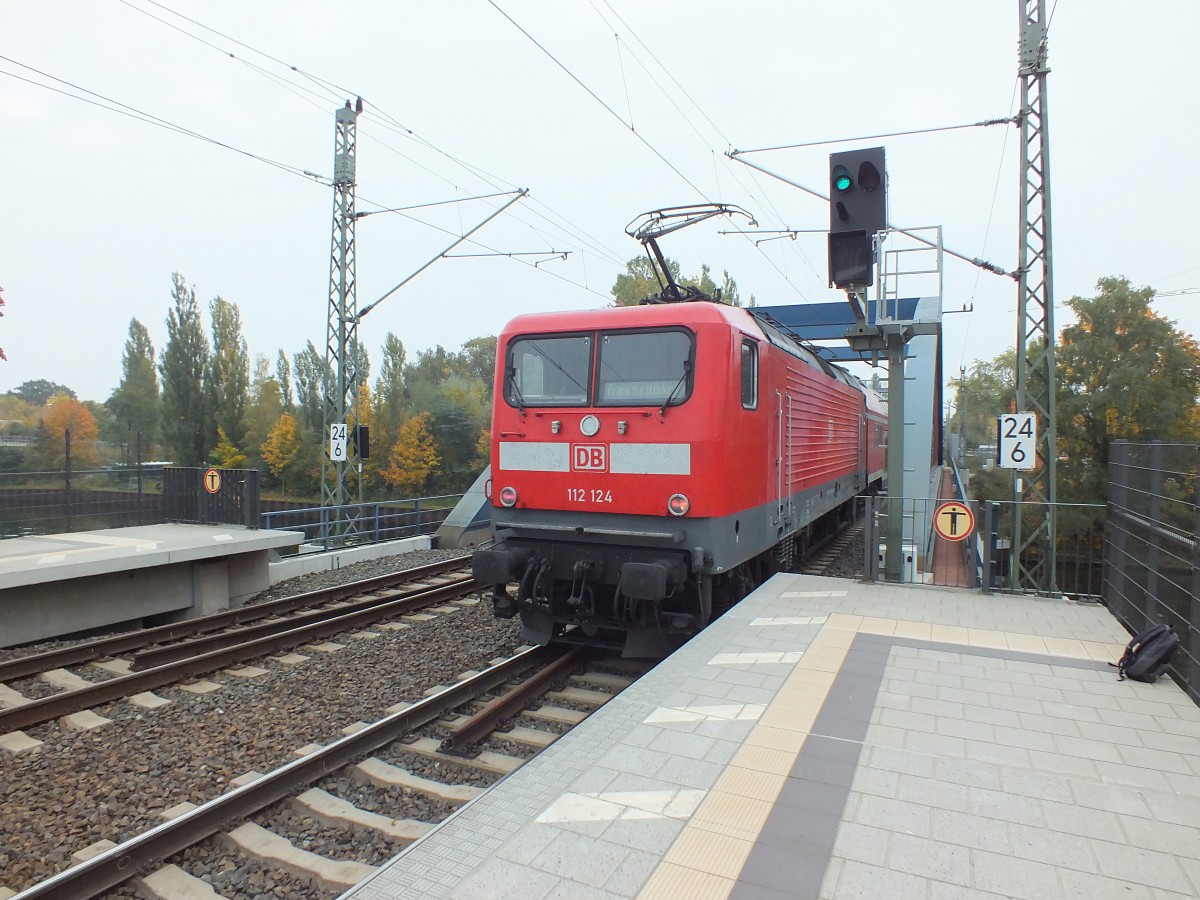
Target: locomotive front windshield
point(549, 371)
point(644, 368)
point(635, 368)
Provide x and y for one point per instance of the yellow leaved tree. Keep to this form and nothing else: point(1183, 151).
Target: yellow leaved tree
point(414, 457)
point(281, 449)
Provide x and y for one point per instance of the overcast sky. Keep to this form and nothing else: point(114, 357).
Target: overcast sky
point(99, 209)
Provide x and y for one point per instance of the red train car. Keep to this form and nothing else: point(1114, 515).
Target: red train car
point(652, 464)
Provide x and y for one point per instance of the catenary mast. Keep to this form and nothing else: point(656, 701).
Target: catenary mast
point(341, 333)
point(1034, 551)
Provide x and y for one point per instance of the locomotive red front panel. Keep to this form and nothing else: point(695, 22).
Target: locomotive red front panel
point(613, 419)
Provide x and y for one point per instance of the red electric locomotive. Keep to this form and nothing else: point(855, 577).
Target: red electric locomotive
point(652, 464)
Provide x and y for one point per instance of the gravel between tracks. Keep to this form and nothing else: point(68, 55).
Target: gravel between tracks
point(112, 782)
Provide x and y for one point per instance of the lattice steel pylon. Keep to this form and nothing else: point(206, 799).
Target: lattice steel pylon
point(1033, 566)
point(341, 333)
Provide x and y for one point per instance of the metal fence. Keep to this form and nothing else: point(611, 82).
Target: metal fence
point(1151, 555)
point(50, 484)
point(1078, 530)
point(358, 523)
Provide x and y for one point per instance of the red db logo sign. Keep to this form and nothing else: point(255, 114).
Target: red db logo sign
point(589, 457)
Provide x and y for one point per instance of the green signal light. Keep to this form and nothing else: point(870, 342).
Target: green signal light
point(842, 181)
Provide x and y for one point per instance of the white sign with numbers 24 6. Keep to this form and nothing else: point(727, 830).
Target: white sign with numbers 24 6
point(1016, 441)
point(337, 442)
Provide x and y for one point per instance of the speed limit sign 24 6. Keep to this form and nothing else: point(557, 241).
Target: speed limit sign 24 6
point(1016, 441)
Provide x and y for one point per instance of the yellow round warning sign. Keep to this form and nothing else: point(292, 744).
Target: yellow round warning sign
point(212, 480)
point(954, 520)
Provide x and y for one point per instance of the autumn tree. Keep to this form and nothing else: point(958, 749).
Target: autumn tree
point(64, 413)
point(1124, 372)
point(17, 414)
point(413, 458)
point(227, 375)
point(182, 367)
point(281, 450)
point(135, 402)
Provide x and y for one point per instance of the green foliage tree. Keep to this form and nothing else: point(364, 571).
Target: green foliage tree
point(431, 366)
point(283, 375)
point(225, 454)
point(982, 393)
point(390, 400)
point(312, 380)
point(182, 367)
point(135, 402)
point(227, 375)
point(639, 280)
point(1124, 372)
point(477, 359)
point(263, 410)
point(39, 391)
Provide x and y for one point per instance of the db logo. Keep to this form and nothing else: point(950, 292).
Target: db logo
point(589, 457)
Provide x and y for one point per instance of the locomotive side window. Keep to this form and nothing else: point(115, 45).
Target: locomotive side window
point(548, 371)
point(644, 368)
point(749, 374)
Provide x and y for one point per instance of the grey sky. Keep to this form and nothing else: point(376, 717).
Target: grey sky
point(99, 209)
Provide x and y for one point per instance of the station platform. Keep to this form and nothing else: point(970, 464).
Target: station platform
point(831, 739)
point(57, 584)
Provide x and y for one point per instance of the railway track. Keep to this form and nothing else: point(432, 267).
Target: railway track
point(434, 728)
point(823, 557)
point(221, 640)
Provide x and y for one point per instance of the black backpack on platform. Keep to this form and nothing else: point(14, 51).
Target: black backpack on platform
point(1148, 655)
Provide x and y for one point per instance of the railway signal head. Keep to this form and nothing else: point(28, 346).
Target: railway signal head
point(857, 210)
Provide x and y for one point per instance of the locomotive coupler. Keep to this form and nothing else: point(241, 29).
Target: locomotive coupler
point(503, 605)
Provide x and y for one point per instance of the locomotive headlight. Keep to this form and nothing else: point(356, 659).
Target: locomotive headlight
point(678, 505)
point(508, 496)
point(589, 425)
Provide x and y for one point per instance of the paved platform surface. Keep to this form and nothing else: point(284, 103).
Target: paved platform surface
point(829, 739)
point(53, 557)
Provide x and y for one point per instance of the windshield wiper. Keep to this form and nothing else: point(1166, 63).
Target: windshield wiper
point(516, 391)
point(687, 368)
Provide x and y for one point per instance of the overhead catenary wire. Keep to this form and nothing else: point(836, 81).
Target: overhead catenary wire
point(733, 154)
point(336, 93)
point(149, 118)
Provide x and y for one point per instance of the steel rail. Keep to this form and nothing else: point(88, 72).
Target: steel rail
point(89, 879)
point(158, 656)
point(465, 736)
point(24, 666)
point(38, 711)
